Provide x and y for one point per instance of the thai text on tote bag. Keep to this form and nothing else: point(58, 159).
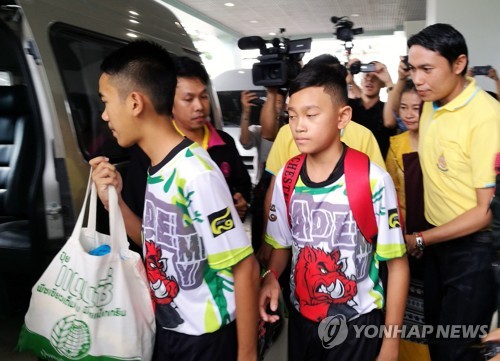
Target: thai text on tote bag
point(87, 307)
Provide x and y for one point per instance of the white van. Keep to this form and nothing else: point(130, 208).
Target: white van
point(229, 86)
point(50, 111)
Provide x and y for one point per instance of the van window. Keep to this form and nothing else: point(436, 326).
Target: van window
point(79, 54)
point(6, 78)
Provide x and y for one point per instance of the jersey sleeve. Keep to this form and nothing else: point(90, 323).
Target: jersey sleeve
point(278, 233)
point(390, 241)
point(215, 219)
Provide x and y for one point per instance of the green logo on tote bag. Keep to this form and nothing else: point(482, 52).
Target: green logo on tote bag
point(71, 337)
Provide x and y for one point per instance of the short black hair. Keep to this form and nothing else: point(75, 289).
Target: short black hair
point(409, 86)
point(329, 76)
point(147, 66)
point(444, 39)
point(186, 67)
point(325, 59)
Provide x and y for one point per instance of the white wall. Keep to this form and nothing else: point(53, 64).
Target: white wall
point(478, 21)
point(413, 27)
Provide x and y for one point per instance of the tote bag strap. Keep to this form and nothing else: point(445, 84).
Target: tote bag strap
point(119, 240)
point(91, 220)
point(79, 222)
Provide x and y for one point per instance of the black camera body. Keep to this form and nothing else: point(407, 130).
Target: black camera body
point(279, 63)
point(481, 70)
point(491, 349)
point(406, 63)
point(344, 27)
point(358, 67)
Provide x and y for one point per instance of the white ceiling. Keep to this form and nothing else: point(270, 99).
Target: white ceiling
point(303, 17)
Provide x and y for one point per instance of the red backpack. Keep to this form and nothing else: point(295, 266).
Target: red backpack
point(357, 179)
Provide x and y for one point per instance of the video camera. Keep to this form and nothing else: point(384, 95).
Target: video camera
point(357, 67)
point(345, 32)
point(279, 63)
point(481, 70)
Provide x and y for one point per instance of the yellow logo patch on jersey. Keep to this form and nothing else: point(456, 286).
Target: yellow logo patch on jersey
point(221, 221)
point(394, 219)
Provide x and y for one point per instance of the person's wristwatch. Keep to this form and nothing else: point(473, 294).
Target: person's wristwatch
point(419, 241)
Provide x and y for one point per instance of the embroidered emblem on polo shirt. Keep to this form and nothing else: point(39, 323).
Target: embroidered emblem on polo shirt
point(441, 164)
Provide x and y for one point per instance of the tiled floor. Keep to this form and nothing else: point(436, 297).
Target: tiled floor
point(14, 298)
point(278, 351)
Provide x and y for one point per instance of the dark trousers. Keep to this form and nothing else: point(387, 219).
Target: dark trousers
point(305, 342)
point(221, 345)
point(459, 290)
point(257, 209)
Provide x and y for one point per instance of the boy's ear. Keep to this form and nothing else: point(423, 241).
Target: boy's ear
point(459, 64)
point(345, 114)
point(136, 103)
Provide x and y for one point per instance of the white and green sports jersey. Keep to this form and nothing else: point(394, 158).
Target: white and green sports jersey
point(192, 237)
point(334, 269)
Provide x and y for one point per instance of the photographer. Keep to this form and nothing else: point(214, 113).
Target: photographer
point(255, 136)
point(391, 107)
point(368, 109)
point(271, 112)
point(492, 74)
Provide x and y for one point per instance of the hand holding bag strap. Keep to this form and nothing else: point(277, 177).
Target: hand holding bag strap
point(119, 241)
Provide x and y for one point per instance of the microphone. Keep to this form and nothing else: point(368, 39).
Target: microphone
point(252, 42)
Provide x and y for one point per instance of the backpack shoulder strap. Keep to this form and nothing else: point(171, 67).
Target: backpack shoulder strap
point(359, 195)
point(289, 179)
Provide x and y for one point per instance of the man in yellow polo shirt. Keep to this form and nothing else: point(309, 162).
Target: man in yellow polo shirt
point(354, 135)
point(459, 137)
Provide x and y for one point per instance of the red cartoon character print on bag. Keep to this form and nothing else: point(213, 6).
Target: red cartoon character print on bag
point(163, 288)
point(321, 286)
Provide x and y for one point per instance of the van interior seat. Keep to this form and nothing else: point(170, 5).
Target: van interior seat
point(17, 163)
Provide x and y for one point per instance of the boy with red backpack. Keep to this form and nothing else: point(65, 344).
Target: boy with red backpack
point(330, 230)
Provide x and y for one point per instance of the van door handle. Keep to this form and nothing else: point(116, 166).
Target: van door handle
point(53, 209)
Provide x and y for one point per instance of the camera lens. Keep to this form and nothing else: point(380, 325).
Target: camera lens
point(355, 67)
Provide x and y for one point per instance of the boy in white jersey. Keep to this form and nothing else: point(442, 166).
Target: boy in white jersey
point(334, 269)
point(199, 261)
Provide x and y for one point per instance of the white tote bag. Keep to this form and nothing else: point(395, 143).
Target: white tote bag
point(87, 307)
